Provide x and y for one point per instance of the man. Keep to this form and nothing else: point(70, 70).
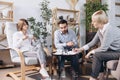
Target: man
point(65, 39)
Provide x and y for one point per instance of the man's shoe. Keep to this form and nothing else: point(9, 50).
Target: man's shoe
point(75, 74)
point(63, 74)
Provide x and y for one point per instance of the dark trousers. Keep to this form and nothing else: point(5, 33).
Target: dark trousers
point(74, 59)
point(101, 57)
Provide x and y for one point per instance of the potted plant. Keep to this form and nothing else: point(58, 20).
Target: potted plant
point(92, 6)
point(39, 29)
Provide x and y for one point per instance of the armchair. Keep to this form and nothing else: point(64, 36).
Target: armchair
point(26, 63)
point(114, 67)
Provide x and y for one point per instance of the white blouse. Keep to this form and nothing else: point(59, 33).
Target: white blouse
point(23, 45)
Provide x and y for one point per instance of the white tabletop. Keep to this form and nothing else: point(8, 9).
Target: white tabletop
point(65, 53)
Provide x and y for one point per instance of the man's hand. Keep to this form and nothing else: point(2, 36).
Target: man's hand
point(75, 49)
point(70, 43)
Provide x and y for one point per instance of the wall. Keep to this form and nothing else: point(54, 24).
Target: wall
point(111, 12)
point(113, 9)
point(117, 11)
point(29, 8)
point(79, 6)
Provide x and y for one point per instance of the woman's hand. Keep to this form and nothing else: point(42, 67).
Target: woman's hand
point(77, 49)
point(34, 38)
point(25, 37)
point(88, 55)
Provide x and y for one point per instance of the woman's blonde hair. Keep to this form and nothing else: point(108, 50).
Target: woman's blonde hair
point(21, 23)
point(100, 16)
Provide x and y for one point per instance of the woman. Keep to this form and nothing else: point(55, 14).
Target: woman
point(23, 41)
point(109, 38)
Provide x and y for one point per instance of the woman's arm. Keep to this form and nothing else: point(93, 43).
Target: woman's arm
point(94, 41)
point(17, 40)
point(108, 38)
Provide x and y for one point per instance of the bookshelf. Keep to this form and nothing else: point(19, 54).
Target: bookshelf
point(6, 11)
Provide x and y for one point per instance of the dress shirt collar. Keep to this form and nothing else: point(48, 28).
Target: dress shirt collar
point(104, 28)
point(65, 33)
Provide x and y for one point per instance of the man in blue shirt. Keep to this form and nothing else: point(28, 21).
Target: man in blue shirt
point(65, 39)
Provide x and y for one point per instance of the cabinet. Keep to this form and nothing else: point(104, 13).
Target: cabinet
point(72, 17)
point(6, 14)
point(6, 11)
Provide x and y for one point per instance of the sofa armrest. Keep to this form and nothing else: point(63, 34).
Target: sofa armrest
point(112, 64)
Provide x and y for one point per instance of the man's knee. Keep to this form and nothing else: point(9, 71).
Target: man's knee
point(75, 58)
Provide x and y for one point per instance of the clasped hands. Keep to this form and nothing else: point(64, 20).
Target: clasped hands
point(70, 43)
point(29, 36)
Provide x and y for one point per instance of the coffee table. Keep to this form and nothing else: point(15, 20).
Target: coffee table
point(60, 54)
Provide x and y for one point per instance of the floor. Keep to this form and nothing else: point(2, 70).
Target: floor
point(35, 76)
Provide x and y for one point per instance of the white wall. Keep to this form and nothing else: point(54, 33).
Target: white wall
point(113, 9)
point(117, 11)
point(80, 6)
point(111, 12)
point(29, 8)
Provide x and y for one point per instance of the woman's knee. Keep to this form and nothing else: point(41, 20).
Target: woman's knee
point(97, 56)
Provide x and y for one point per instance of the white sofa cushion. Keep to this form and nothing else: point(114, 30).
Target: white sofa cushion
point(28, 60)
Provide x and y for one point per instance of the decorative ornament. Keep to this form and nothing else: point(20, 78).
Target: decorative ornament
point(72, 3)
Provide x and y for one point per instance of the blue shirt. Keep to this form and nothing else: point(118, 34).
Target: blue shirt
point(61, 39)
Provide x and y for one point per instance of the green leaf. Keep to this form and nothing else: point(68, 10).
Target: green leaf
point(39, 28)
